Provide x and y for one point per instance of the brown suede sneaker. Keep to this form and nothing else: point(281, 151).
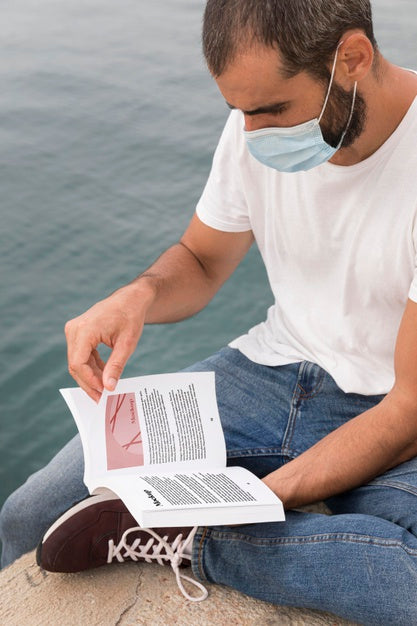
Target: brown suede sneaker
point(100, 530)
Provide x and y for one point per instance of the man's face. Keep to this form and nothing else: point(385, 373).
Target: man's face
point(254, 84)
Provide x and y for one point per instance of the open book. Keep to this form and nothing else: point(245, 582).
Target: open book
point(157, 442)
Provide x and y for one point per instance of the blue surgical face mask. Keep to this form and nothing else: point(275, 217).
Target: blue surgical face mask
point(299, 147)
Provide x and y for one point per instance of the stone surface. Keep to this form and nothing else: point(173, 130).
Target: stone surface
point(131, 594)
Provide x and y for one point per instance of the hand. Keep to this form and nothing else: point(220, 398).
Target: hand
point(116, 322)
point(283, 482)
point(270, 481)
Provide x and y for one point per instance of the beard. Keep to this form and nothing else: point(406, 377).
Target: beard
point(336, 116)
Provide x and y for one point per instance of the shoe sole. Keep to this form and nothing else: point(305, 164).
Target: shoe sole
point(84, 504)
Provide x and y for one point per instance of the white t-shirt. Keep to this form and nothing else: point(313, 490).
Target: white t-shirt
point(339, 245)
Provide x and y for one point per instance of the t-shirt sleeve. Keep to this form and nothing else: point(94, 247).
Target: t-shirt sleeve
point(223, 204)
point(412, 294)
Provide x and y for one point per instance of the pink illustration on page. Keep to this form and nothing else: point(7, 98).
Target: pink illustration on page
point(123, 435)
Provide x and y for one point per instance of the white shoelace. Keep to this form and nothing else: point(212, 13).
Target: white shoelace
point(152, 551)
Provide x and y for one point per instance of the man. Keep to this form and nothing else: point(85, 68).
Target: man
point(317, 164)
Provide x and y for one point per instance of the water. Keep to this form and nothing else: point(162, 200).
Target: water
point(108, 121)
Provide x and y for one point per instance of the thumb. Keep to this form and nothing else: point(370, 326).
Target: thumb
point(115, 365)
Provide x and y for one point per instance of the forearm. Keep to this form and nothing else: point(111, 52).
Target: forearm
point(175, 287)
point(355, 453)
point(184, 279)
point(180, 283)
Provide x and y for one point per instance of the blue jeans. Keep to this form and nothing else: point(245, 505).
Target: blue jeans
point(359, 563)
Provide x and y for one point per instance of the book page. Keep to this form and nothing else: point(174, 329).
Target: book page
point(159, 421)
point(192, 494)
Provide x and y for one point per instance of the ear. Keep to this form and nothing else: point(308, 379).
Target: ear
point(356, 57)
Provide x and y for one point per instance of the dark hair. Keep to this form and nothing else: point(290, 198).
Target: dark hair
point(306, 32)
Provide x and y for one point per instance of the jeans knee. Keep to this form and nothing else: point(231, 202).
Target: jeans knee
point(9, 517)
point(10, 531)
point(21, 524)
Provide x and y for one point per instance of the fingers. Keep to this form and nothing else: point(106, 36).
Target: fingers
point(98, 364)
point(122, 350)
point(114, 322)
point(89, 376)
point(84, 362)
point(86, 366)
point(87, 381)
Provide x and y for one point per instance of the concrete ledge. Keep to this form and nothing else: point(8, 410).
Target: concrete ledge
point(131, 594)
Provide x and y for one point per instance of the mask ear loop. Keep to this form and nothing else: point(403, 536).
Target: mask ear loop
point(331, 82)
point(355, 88)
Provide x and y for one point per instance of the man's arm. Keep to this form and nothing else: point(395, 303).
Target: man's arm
point(367, 445)
point(179, 284)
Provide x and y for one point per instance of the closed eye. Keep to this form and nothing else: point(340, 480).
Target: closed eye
point(272, 109)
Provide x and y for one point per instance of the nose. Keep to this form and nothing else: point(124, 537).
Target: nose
point(256, 122)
